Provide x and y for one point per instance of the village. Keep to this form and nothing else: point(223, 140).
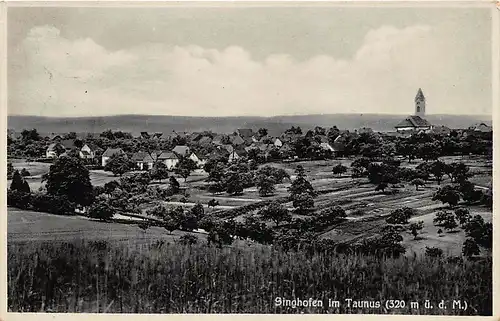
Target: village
point(422, 189)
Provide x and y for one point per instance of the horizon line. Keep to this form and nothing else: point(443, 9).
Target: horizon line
point(241, 116)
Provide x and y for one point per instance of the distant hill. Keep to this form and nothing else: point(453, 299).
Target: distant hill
point(275, 125)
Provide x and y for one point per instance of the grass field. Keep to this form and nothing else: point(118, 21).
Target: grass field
point(112, 278)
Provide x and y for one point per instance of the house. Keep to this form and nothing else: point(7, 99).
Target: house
point(54, 150)
point(88, 151)
point(205, 141)
point(235, 155)
point(237, 140)
point(181, 150)
point(277, 142)
point(481, 127)
point(340, 142)
point(110, 152)
point(169, 159)
point(198, 159)
point(69, 144)
point(441, 130)
point(145, 135)
point(413, 123)
point(143, 160)
point(228, 148)
point(218, 140)
point(245, 133)
point(157, 135)
point(416, 122)
point(287, 151)
point(365, 130)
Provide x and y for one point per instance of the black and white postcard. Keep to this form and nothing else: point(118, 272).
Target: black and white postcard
point(249, 158)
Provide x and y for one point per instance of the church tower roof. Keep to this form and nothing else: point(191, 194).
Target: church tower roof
point(420, 95)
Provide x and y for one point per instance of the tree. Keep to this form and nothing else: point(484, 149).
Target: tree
point(303, 203)
point(450, 223)
point(265, 185)
point(184, 167)
point(447, 194)
point(234, 184)
point(458, 172)
point(262, 132)
point(381, 187)
point(213, 203)
point(30, 135)
point(415, 227)
point(25, 172)
point(441, 217)
point(198, 211)
point(159, 171)
point(331, 215)
point(276, 213)
point(301, 185)
point(417, 182)
point(400, 215)
point(470, 248)
point(170, 224)
point(480, 231)
point(101, 209)
point(119, 164)
point(339, 169)
point(429, 151)
point(17, 183)
point(109, 187)
point(469, 193)
point(173, 185)
point(463, 215)
point(68, 176)
point(10, 170)
point(437, 168)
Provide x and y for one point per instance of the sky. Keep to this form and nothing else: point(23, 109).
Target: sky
point(247, 61)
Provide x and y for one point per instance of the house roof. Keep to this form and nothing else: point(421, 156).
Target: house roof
point(167, 155)
point(182, 150)
point(68, 143)
point(111, 151)
point(237, 140)
point(481, 127)
point(245, 132)
point(229, 148)
point(413, 121)
point(53, 146)
point(205, 140)
point(139, 156)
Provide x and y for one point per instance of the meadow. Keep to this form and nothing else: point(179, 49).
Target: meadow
point(108, 277)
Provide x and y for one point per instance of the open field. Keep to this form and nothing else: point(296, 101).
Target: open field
point(26, 226)
point(355, 194)
point(171, 278)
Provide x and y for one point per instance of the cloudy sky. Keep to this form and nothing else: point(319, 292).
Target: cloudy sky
point(247, 61)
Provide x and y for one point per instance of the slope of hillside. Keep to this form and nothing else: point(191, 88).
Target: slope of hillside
point(153, 123)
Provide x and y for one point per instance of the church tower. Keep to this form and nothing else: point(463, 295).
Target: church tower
point(420, 103)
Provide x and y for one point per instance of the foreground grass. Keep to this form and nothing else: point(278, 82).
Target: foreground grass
point(172, 278)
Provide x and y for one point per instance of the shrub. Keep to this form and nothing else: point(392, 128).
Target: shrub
point(188, 239)
point(101, 210)
point(18, 199)
point(433, 251)
point(25, 172)
point(55, 204)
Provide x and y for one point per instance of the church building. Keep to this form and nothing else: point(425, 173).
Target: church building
point(416, 122)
